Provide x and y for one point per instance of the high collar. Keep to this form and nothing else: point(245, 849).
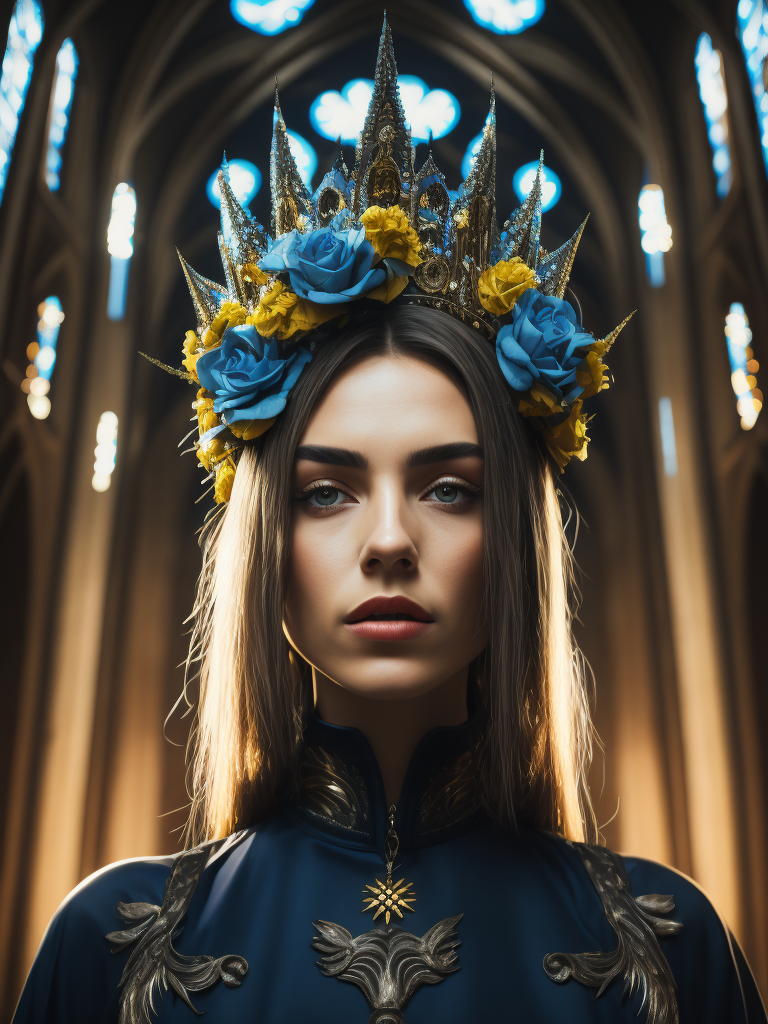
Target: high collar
point(342, 791)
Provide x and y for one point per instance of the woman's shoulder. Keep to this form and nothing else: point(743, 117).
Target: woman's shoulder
point(662, 912)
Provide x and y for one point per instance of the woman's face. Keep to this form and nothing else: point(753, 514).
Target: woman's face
point(386, 568)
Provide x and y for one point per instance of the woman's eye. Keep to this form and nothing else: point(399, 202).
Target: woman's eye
point(449, 494)
point(325, 497)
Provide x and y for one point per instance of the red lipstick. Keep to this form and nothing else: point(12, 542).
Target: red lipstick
point(388, 618)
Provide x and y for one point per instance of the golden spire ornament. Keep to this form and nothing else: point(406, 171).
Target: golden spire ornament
point(389, 897)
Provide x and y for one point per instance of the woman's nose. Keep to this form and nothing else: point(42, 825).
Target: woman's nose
point(389, 544)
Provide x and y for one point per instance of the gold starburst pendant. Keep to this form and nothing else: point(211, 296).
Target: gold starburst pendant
point(389, 897)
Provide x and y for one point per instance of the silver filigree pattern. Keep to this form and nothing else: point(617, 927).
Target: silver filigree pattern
point(154, 966)
point(638, 958)
point(333, 790)
point(450, 796)
point(388, 964)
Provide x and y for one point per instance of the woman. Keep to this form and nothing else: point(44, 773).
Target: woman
point(392, 718)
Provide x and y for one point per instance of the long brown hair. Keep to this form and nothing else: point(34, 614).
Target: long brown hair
point(255, 692)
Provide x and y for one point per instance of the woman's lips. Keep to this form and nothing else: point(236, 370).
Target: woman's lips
point(388, 618)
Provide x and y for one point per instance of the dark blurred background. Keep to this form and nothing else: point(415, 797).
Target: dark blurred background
point(99, 565)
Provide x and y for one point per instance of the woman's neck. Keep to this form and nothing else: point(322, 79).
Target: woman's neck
point(393, 727)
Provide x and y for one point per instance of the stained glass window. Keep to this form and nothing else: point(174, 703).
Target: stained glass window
point(42, 357)
point(61, 105)
point(269, 17)
point(505, 17)
point(342, 114)
point(120, 248)
point(655, 232)
point(24, 34)
point(744, 366)
point(709, 73)
point(752, 29)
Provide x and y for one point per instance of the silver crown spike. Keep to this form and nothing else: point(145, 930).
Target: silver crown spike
point(555, 269)
point(234, 292)
point(385, 107)
point(207, 296)
point(289, 192)
point(243, 235)
point(606, 342)
point(524, 228)
point(482, 177)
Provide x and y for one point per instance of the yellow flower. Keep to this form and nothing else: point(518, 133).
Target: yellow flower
point(253, 274)
point(231, 314)
point(189, 348)
point(461, 219)
point(225, 477)
point(247, 430)
point(591, 374)
point(282, 313)
point(211, 453)
point(390, 233)
point(568, 439)
point(539, 402)
point(189, 362)
point(191, 341)
point(391, 287)
point(500, 286)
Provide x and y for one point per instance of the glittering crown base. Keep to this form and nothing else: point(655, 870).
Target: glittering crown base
point(383, 232)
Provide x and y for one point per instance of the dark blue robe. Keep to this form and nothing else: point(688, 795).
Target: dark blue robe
point(524, 894)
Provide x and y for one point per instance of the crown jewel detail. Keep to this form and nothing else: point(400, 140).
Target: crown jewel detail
point(382, 231)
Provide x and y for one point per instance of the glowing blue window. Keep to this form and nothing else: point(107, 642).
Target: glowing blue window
point(269, 17)
point(709, 72)
point(24, 34)
point(42, 356)
point(245, 179)
point(744, 366)
point(505, 17)
point(667, 429)
point(120, 248)
point(342, 114)
point(61, 105)
point(524, 177)
point(752, 29)
point(655, 232)
point(304, 155)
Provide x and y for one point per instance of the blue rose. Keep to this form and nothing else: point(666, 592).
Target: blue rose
point(326, 266)
point(544, 344)
point(248, 376)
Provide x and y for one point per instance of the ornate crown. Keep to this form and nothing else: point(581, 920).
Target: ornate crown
point(385, 231)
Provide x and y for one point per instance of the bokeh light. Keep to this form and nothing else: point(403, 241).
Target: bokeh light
point(244, 178)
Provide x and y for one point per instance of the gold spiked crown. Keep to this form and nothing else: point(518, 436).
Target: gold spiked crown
point(381, 233)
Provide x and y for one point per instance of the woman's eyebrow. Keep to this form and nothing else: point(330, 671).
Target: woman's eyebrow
point(443, 452)
point(331, 456)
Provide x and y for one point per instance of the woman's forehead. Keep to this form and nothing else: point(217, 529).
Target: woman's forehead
point(395, 398)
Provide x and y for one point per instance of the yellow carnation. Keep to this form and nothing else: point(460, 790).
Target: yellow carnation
point(282, 313)
point(231, 314)
point(211, 453)
point(225, 477)
point(591, 374)
point(500, 286)
point(390, 289)
point(247, 430)
point(189, 362)
point(253, 274)
point(539, 402)
point(390, 233)
point(568, 439)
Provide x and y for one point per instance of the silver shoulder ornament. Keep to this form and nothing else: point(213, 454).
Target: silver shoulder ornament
point(154, 966)
point(638, 958)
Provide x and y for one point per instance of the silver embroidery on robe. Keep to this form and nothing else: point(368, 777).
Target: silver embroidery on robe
point(388, 964)
point(154, 966)
point(638, 957)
